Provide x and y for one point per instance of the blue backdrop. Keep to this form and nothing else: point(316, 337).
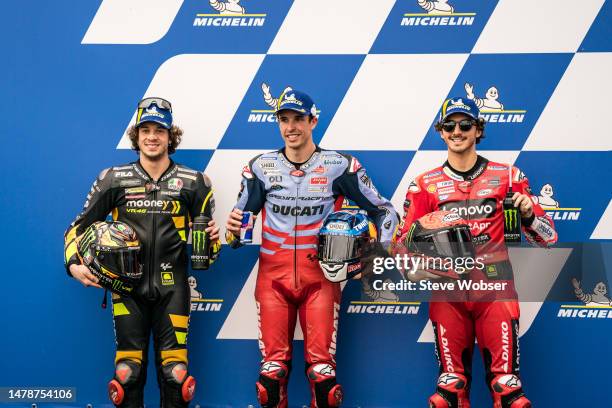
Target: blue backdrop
point(72, 73)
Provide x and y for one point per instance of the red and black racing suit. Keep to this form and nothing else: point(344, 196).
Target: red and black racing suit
point(159, 211)
point(490, 316)
point(294, 200)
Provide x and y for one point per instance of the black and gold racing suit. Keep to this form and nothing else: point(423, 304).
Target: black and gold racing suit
point(159, 211)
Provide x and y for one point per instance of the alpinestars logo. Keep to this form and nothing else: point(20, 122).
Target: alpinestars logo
point(229, 14)
point(491, 108)
point(447, 378)
point(510, 380)
point(270, 367)
point(437, 13)
point(548, 202)
point(324, 369)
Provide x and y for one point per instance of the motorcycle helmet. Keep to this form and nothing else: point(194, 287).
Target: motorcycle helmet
point(343, 240)
point(111, 250)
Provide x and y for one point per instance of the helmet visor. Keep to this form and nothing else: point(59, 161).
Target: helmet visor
point(339, 248)
point(453, 242)
point(124, 262)
point(160, 102)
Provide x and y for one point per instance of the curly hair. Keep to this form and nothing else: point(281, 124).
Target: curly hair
point(176, 135)
point(480, 125)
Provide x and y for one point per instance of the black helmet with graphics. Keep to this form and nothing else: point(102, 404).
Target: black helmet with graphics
point(441, 238)
point(440, 234)
point(111, 250)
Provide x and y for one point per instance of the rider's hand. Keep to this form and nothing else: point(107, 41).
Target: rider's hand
point(234, 222)
point(84, 275)
point(524, 204)
point(213, 230)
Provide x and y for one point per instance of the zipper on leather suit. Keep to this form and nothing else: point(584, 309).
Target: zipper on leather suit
point(297, 199)
point(152, 247)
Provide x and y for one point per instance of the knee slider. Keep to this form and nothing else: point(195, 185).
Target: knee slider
point(127, 377)
point(272, 383)
point(451, 392)
point(327, 392)
point(508, 392)
point(175, 376)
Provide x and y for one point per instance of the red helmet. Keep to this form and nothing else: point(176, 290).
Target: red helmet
point(441, 235)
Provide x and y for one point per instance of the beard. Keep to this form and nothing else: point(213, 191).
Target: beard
point(466, 146)
point(155, 156)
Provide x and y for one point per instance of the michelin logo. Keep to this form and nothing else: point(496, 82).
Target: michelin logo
point(547, 201)
point(436, 7)
point(490, 101)
point(193, 284)
point(491, 108)
point(598, 297)
point(382, 302)
point(597, 305)
point(290, 98)
point(457, 104)
point(230, 7)
point(198, 303)
point(153, 112)
point(403, 308)
point(437, 13)
point(268, 115)
point(231, 14)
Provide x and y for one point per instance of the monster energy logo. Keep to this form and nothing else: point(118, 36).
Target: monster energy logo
point(88, 238)
point(410, 232)
point(119, 286)
point(199, 241)
point(512, 232)
point(511, 219)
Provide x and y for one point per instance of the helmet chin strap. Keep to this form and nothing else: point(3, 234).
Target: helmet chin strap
point(104, 298)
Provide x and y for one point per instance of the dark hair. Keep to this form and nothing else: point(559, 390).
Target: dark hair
point(480, 125)
point(310, 116)
point(175, 132)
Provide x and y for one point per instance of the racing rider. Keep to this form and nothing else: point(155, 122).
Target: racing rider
point(158, 198)
point(474, 188)
point(295, 188)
